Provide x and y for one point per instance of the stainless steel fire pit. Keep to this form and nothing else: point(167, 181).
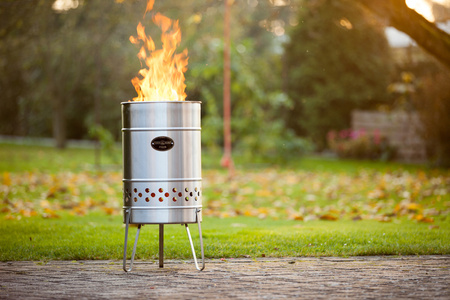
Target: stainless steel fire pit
point(162, 181)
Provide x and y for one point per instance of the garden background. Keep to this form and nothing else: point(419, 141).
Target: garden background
point(299, 70)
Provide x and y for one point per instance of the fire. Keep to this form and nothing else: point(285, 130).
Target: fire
point(163, 79)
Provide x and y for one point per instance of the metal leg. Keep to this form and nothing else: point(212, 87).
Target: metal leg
point(127, 218)
point(201, 244)
point(161, 245)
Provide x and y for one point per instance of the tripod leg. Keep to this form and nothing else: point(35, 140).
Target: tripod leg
point(161, 245)
point(127, 218)
point(201, 244)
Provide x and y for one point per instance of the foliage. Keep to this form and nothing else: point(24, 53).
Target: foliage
point(300, 193)
point(106, 140)
point(360, 144)
point(336, 60)
point(78, 64)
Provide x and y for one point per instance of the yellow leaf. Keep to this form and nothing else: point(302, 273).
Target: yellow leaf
point(44, 203)
point(298, 218)
point(109, 210)
point(248, 213)
point(6, 179)
point(264, 193)
point(328, 217)
point(9, 217)
point(426, 220)
point(414, 207)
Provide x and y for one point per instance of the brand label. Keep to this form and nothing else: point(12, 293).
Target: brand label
point(162, 143)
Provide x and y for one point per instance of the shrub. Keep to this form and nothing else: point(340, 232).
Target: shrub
point(360, 144)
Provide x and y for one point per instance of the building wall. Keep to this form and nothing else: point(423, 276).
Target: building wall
point(401, 129)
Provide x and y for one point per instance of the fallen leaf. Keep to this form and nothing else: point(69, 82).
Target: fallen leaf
point(328, 217)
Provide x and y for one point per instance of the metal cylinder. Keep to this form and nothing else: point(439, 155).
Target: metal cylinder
point(161, 147)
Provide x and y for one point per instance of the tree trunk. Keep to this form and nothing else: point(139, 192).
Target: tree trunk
point(59, 123)
point(426, 34)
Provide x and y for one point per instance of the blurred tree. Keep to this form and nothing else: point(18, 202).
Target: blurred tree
point(432, 102)
point(426, 34)
point(68, 69)
point(58, 63)
point(337, 60)
point(14, 19)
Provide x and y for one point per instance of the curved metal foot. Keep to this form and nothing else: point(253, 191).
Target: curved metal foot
point(127, 218)
point(201, 244)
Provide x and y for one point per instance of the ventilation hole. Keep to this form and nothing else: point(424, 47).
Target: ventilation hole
point(147, 190)
point(140, 194)
point(135, 190)
point(126, 191)
point(166, 194)
point(161, 190)
point(187, 198)
point(129, 195)
point(195, 189)
point(147, 199)
point(192, 194)
point(186, 189)
point(174, 199)
point(198, 193)
point(196, 198)
point(135, 199)
point(161, 199)
point(153, 195)
point(180, 194)
point(174, 190)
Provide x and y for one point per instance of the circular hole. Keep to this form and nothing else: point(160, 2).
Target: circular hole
point(140, 194)
point(195, 189)
point(196, 198)
point(153, 195)
point(147, 190)
point(135, 190)
point(129, 195)
point(126, 191)
point(180, 194)
point(161, 199)
point(186, 189)
point(161, 190)
point(187, 198)
point(174, 190)
point(174, 199)
point(147, 199)
point(191, 193)
point(135, 199)
point(166, 194)
point(198, 194)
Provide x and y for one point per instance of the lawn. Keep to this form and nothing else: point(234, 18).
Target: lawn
point(57, 205)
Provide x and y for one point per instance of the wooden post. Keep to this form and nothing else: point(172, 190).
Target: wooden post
point(227, 160)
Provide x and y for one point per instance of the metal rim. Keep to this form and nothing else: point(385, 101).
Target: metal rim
point(144, 102)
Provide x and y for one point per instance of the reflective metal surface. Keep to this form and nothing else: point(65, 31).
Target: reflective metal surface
point(162, 186)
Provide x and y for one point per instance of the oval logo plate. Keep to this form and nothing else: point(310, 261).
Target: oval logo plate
point(162, 143)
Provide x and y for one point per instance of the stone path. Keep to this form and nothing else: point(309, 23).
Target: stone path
point(407, 277)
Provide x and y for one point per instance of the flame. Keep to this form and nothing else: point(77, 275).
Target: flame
point(163, 79)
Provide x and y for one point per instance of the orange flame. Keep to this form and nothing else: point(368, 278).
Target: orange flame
point(164, 78)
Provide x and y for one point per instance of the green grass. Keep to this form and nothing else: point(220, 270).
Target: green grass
point(20, 158)
point(99, 237)
point(55, 205)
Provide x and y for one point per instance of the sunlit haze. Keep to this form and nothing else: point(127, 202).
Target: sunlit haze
point(425, 7)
